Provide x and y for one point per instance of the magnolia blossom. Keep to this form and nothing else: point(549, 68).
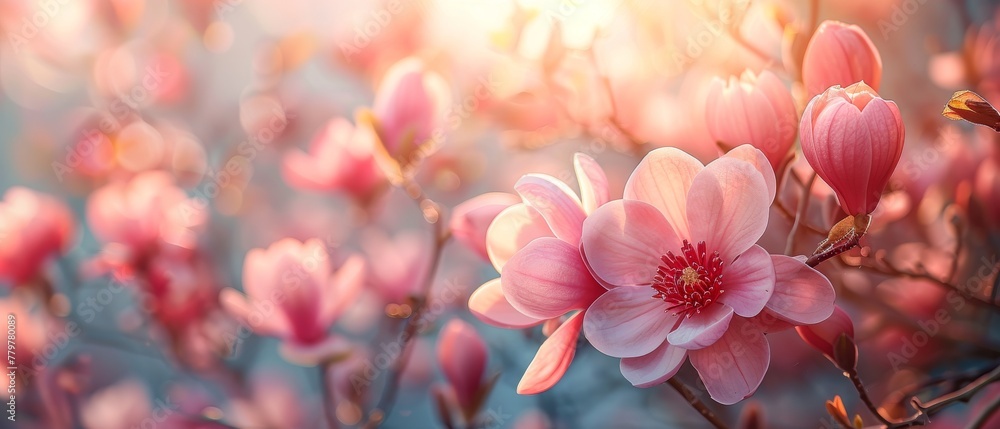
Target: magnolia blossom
point(685, 277)
point(757, 110)
point(535, 245)
point(840, 54)
point(340, 159)
point(292, 294)
point(462, 356)
point(853, 139)
point(471, 219)
point(33, 228)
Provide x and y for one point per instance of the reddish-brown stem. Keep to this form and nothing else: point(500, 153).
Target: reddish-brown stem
point(799, 214)
point(329, 405)
point(698, 405)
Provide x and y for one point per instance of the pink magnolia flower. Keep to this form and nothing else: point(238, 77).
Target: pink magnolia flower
point(840, 54)
point(462, 355)
point(685, 277)
point(292, 294)
point(141, 216)
point(757, 110)
point(409, 112)
point(823, 336)
point(397, 265)
point(471, 219)
point(535, 245)
point(340, 159)
point(33, 228)
point(853, 139)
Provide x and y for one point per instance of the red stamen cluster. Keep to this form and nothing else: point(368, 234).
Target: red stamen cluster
point(689, 282)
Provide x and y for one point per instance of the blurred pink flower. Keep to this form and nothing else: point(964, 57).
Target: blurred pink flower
point(123, 405)
point(339, 159)
point(33, 228)
point(685, 276)
point(409, 113)
point(471, 219)
point(840, 54)
point(853, 139)
point(754, 109)
point(143, 216)
point(535, 245)
point(462, 355)
point(181, 290)
point(396, 265)
point(292, 294)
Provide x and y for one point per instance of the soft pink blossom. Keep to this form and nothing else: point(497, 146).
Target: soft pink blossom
point(685, 277)
point(853, 139)
point(292, 293)
point(409, 108)
point(462, 355)
point(340, 159)
point(535, 245)
point(754, 109)
point(840, 54)
point(471, 219)
point(33, 228)
point(397, 264)
point(823, 336)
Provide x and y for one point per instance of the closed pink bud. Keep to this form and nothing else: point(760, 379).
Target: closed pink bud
point(754, 109)
point(823, 335)
point(462, 356)
point(33, 228)
point(840, 54)
point(471, 219)
point(853, 139)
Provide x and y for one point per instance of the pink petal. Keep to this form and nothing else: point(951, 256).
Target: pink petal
point(754, 156)
point(734, 366)
point(768, 321)
point(628, 322)
point(702, 329)
point(727, 207)
point(259, 316)
point(663, 179)
point(547, 278)
point(654, 368)
point(471, 219)
point(593, 182)
point(749, 282)
point(555, 202)
point(802, 295)
point(552, 358)
point(344, 288)
point(626, 239)
point(511, 230)
point(489, 305)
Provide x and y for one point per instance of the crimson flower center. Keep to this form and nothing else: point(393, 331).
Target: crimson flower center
point(689, 282)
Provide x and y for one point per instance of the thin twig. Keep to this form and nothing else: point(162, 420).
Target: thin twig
point(799, 214)
point(329, 403)
point(703, 409)
point(863, 394)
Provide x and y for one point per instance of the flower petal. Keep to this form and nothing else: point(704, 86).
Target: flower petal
point(754, 156)
point(593, 182)
point(489, 305)
point(260, 316)
point(625, 240)
point(702, 329)
point(511, 230)
point(547, 278)
point(749, 282)
point(552, 359)
point(654, 368)
point(727, 207)
point(802, 295)
point(734, 366)
point(663, 179)
point(345, 285)
point(556, 202)
point(628, 322)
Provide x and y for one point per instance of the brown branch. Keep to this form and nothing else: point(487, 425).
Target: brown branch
point(799, 214)
point(698, 405)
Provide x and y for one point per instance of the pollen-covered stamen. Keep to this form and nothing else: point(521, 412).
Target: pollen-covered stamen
point(689, 282)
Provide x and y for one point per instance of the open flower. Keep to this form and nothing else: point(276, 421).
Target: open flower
point(853, 139)
point(33, 228)
point(686, 278)
point(292, 294)
point(535, 245)
point(340, 158)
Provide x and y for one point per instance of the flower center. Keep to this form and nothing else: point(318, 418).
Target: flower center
point(689, 282)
